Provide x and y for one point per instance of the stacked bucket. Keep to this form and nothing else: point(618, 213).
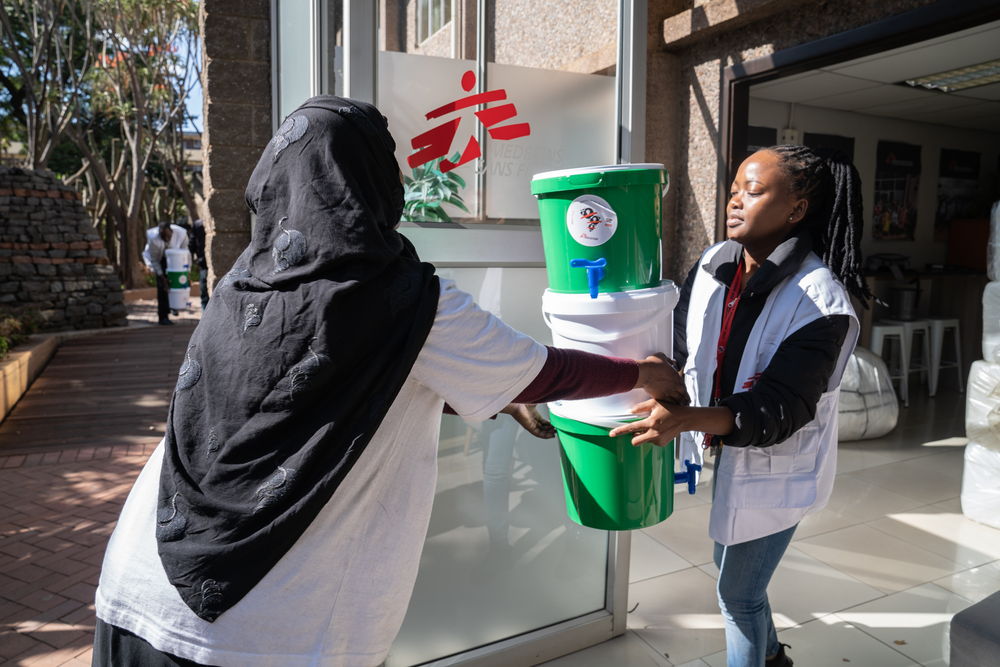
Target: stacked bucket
point(981, 476)
point(178, 267)
point(601, 236)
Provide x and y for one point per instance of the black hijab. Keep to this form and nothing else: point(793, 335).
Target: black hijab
point(304, 346)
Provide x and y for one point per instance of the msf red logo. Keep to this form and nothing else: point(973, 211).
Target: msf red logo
point(436, 142)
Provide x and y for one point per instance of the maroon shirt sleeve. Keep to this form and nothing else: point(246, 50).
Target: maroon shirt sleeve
point(574, 374)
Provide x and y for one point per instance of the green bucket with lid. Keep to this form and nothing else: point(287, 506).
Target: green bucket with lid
point(601, 226)
point(611, 484)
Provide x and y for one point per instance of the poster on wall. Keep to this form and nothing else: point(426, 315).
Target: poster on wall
point(759, 137)
point(834, 142)
point(958, 189)
point(897, 183)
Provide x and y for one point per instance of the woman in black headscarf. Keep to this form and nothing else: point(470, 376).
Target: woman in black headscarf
point(281, 519)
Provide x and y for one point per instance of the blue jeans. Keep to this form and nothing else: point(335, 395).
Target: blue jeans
point(744, 572)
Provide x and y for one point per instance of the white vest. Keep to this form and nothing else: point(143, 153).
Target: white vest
point(763, 490)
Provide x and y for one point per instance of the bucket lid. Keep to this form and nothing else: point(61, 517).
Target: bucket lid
point(610, 175)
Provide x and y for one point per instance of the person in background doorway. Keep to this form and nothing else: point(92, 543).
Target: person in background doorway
point(281, 519)
point(770, 330)
point(158, 240)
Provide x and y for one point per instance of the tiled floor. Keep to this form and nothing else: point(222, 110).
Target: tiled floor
point(872, 580)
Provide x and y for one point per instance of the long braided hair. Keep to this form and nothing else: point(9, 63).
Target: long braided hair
point(832, 186)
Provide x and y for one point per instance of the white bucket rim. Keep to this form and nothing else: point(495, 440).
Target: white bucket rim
point(599, 168)
point(665, 295)
point(565, 410)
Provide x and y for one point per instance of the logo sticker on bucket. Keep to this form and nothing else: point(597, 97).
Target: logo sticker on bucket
point(591, 220)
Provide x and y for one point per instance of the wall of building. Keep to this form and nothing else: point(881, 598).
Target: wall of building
point(52, 260)
point(236, 80)
point(867, 131)
point(690, 46)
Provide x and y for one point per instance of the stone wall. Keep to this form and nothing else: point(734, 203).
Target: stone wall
point(236, 80)
point(52, 260)
point(690, 46)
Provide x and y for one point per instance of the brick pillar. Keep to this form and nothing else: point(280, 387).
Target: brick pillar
point(236, 80)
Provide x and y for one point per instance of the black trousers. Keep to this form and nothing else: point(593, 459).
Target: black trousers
point(162, 293)
point(114, 647)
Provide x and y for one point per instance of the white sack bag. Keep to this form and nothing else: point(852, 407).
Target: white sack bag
point(981, 484)
point(868, 404)
point(993, 249)
point(982, 404)
point(991, 322)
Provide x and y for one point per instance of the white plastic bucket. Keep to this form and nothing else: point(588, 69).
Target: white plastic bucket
point(632, 324)
point(178, 265)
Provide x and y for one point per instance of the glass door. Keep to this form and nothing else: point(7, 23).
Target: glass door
point(480, 95)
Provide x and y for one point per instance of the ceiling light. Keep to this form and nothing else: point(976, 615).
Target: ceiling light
point(961, 78)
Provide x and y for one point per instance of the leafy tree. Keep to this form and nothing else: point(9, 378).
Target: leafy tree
point(111, 77)
point(47, 52)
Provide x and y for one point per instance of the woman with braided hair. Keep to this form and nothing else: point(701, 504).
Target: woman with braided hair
point(763, 330)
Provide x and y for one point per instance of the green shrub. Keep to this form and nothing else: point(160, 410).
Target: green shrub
point(15, 327)
point(427, 190)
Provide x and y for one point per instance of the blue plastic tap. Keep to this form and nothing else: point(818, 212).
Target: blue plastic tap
point(688, 476)
point(595, 272)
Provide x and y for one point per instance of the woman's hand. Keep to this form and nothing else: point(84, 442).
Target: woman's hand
point(528, 417)
point(659, 377)
point(664, 423)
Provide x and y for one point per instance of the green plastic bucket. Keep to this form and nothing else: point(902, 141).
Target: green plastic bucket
point(611, 484)
point(606, 215)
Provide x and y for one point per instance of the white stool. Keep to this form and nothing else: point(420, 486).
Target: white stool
point(939, 327)
point(903, 331)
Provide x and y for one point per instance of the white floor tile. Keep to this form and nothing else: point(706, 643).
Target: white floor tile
point(914, 622)
point(928, 479)
point(625, 651)
point(803, 589)
point(829, 642)
point(975, 583)
point(945, 533)
point(824, 521)
point(863, 500)
point(877, 559)
point(649, 558)
point(686, 534)
point(677, 615)
point(858, 456)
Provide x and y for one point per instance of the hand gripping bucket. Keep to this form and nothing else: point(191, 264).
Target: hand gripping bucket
point(601, 226)
point(178, 265)
point(611, 484)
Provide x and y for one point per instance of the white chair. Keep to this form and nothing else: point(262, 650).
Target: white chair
point(903, 330)
point(939, 327)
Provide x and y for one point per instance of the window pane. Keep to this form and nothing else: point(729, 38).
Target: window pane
point(560, 77)
point(415, 77)
point(294, 56)
point(501, 556)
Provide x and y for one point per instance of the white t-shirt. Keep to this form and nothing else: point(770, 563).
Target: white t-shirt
point(338, 596)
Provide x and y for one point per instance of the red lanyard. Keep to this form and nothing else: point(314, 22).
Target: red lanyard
point(733, 295)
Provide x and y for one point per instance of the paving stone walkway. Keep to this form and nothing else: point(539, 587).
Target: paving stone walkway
point(69, 452)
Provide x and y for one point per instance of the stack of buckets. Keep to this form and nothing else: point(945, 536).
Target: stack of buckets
point(601, 236)
point(178, 268)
